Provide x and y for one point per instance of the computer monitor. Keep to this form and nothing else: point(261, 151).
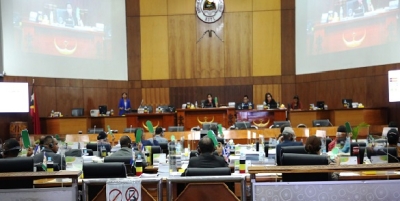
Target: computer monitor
point(321, 123)
point(278, 124)
point(320, 104)
point(103, 109)
point(348, 102)
point(207, 126)
point(77, 112)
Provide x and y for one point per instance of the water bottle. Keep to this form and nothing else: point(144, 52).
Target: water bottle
point(49, 165)
point(139, 166)
point(242, 163)
point(103, 151)
point(195, 104)
point(261, 155)
point(133, 165)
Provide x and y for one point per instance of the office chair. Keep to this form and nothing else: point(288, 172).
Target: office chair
point(95, 130)
point(126, 160)
point(130, 130)
point(164, 147)
point(18, 164)
point(175, 128)
point(321, 123)
point(290, 159)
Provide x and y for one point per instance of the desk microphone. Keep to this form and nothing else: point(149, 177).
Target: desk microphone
point(330, 123)
point(130, 129)
point(94, 130)
point(387, 152)
point(141, 103)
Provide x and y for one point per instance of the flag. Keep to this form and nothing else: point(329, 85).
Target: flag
point(33, 108)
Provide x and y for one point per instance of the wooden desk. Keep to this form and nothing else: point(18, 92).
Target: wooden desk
point(115, 122)
point(239, 136)
point(190, 118)
point(261, 118)
point(371, 116)
point(158, 119)
point(64, 125)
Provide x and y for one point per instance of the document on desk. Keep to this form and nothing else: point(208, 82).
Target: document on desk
point(348, 174)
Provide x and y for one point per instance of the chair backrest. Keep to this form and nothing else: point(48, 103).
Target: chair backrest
point(89, 152)
point(77, 112)
point(164, 147)
point(242, 125)
point(95, 131)
point(390, 151)
point(327, 142)
point(207, 126)
point(92, 146)
point(290, 149)
point(208, 171)
point(290, 159)
point(356, 144)
point(278, 124)
point(104, 170)
point(74, 152)
point(321, 123)
point(175, 128)
point(18, 164)
point(130, 130)
point(122, 159)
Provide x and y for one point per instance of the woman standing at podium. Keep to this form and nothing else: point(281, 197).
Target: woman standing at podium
point(124, 104)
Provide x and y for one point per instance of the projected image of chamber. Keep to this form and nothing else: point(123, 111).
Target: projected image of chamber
point(335, 26)
point(64, 28)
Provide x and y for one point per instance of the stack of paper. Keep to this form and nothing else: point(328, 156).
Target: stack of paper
point(163, 169)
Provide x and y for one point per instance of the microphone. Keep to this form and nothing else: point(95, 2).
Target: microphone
point(141, 103)
point(130, 129)
point(330, 123)
point(94, 130)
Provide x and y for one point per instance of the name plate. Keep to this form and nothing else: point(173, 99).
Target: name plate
point(348, 160)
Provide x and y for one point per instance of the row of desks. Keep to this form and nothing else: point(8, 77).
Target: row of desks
point(190, 118)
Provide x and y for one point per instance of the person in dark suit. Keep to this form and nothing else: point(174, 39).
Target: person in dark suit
point(207, 158)
point(50, 148)
point(11, 148)
point(287, 140)
point(102, 141)
point(124, 104)
point(126, 149)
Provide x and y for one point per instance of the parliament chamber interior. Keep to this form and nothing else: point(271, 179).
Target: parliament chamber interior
point(199, 100)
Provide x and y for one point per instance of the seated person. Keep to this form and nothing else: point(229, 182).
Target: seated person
point(38, 148)
point(50, 148)
point(103, 141)
point(341, 137)
point(287, 139)
point(223, 149)
point(246, 105)
point(270, 102)
point(296, 105)
point(313, 146)
point(70, 19)
point(11, 148)
point(207, 158)
point(158, 136)
point(126, 149)
point(210, 102)
point(146, 142)
point(392, 139)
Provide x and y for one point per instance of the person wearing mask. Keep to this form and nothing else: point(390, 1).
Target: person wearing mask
point(210, 102)
point(246, 104)
point(296, 105)
point(50, 145)
point(11, 148)
point(287, 140)
point(270, 102)
point(313, 146)
point(343, 138)
point(158, 136)
point(124, 104)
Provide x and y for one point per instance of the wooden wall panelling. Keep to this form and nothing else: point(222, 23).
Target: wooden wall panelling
point(95, 84)
point(68, 98)
point(154, 47)
point(62, 82)
point(46, 99)
point(182, 46)
point(15, 79)
point(259, 5)
point(132, 8)
point(229, 81)
point(288, 58)
point(377, 93)
point(210, 82)
point(287, 4)
point(259, 92)
point(7, 118)
point(307, 93)
point(236, 93)
point(355, 88)
point(153, 7)
point(288, 92)
point(238, 43)
point(179, 7)
point(156, 96)
point(133, 47)
point(210, 50)
point(267, 43)
point(135, 95)
point(93, 97)
point(238, 6)
point(113, 97)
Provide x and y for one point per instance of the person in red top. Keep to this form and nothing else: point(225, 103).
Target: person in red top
point(296, 105)
point(341, 134)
